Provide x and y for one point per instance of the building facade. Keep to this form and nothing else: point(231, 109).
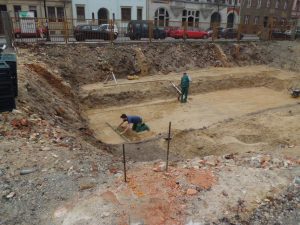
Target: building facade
point(55, 9)
point(104, 10)
point(266, 12)
point(196, 13)
point(296, 12)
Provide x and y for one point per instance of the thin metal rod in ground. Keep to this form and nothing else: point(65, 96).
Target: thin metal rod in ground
point(168, 148)
point(124, 162)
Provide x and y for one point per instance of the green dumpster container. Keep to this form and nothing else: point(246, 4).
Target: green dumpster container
point(7, 87)
point(11, 60)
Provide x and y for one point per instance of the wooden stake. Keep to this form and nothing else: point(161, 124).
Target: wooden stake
point(168, 148)
point(124, 162)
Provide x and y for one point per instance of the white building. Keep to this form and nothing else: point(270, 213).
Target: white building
point(104, 10)
point(197, 13)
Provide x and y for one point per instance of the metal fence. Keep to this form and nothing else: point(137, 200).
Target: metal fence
point(73, 30)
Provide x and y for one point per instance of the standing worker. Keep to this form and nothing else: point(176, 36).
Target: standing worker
point(137, 122)
point(185, 84)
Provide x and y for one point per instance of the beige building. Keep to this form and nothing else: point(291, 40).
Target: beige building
point(56, 9)
point(265, 12)
point(296, 11)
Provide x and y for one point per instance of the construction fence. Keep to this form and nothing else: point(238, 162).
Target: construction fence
point(65, 30)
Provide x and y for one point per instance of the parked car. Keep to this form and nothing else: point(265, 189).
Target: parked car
point(193, 34)
point(138, 29)
point(210, 31)
point(290, 33)
point(230, 33)
point(19, 34)
point(83, 32)
point(169, 30)
point(107, 27)
point(281, 35)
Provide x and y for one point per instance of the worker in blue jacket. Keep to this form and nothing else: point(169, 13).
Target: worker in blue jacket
point(136, 121)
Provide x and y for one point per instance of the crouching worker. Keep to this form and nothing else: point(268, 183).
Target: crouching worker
point(136, 121)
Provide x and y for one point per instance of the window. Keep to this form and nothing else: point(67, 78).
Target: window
point(126, 14)
point(60, 14)
point(51, 14)
point(139, 13)
point(266, 21)
point(246, 19)
point(33, 9)
point(285, 5)
point(145, 26)
point(80, 13)
point(17, 9)
point(256, 20)
point(277, 4)
point(161, 17)
point(258, 3)
point(86, 27)
point(249, 3)
point(3, 8)
point(192, 17)
point(96, 28)
point(268, 3)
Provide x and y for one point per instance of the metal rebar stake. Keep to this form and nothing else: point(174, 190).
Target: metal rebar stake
point(168, 148)
point(124, 162)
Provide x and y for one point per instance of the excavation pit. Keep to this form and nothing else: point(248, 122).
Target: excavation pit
point(234, 96)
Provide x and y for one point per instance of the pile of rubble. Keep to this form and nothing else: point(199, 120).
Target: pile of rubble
point(42, 162)
point(284, 209)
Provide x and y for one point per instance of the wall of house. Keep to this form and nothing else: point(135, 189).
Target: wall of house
point(39, 6)
point(113, 7)
point(264, 11)
point(175, 11)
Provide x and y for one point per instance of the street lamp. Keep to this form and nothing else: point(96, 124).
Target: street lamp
point(46, 16)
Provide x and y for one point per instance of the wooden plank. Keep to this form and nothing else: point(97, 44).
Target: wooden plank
point(177, 89)
point(122, 136)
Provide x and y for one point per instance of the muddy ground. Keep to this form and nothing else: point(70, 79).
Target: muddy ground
point(234, 154)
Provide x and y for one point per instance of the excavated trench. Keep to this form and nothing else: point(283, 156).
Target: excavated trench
point(216, 95)
point(103, 96)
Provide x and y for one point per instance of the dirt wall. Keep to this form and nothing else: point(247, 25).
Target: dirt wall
point(84, 64)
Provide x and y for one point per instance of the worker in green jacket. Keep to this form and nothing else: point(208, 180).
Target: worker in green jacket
point(185, 84)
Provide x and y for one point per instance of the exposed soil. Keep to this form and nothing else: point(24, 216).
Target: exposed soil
point(234, 153)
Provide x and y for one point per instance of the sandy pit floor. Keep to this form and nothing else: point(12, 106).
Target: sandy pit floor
point(201, 110)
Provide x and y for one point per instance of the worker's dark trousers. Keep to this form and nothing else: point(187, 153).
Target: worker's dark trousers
point(185, 92)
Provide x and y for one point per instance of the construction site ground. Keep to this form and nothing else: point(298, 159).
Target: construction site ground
point(235, 147)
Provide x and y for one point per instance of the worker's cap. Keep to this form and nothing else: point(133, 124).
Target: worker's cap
point(123, 116)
